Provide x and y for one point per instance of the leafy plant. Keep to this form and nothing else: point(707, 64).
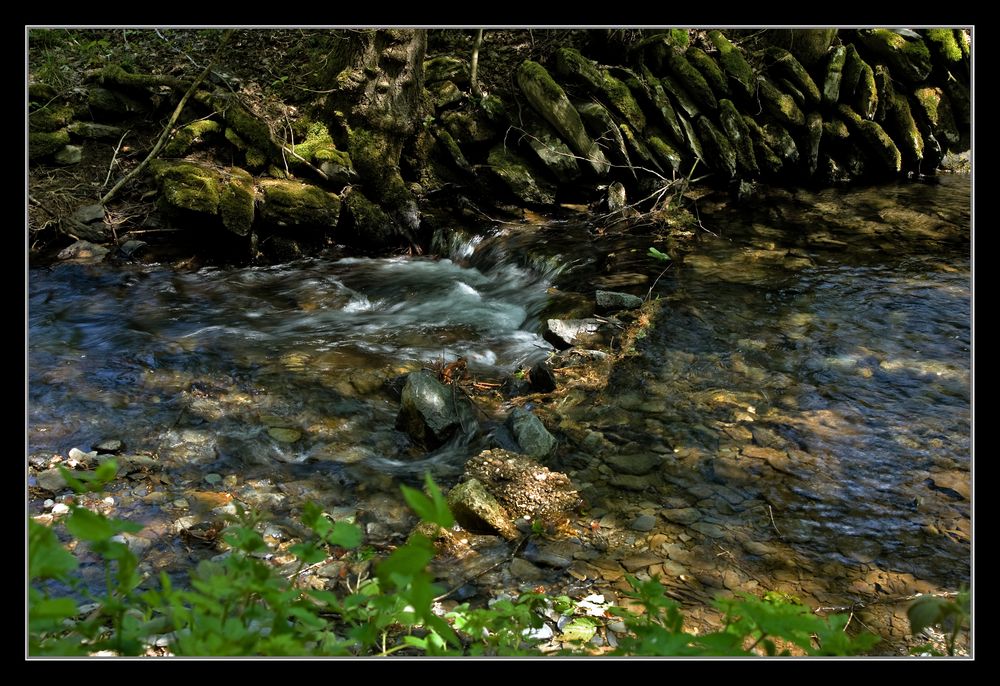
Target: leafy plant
point(953, 615)
point(238, 604)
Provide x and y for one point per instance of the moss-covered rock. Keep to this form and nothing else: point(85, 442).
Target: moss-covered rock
point(368, 224)
point(251, 129)
point(51, 118)
point(909, 58)
point(720, 152)
point(191, 187)
point(904, 130)
point(786, 86)
point(573, 65)
point(446, 68)
point(767, 160)
point(779, 105)
point(781, 142)
point(866, 95)
point(637, 148)
point(874, 138)
point(783, 64)
point(944, 46)
point(293, 203)
point(444, 94)
point(44, 143)
point(934, 108)
point(739, 135)
point(709, 69)
point(188, 136)
point(835, 131)
point(603, 127)
point(477, 511)
point(886, 92)
point(465, 127)
point(814, 134)
point(833, 74)
point(662, 103)
point(671, 158)
point(106, 103)
point(623, 101)
point(735, 66)
point(693, 143)
point(452, 150)
point(691, 80)
point(318, 147)
point(69, 154)
point(960, 99)
point(40, 94)
point(517, 175)
point(236, 200)
point(808, 45)
point(94, 131)
point(550, 101)
point(552, 152)
point(850, 75)
point(680, 96)
point(375, 155)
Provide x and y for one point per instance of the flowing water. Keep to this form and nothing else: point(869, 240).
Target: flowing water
point(807, 382)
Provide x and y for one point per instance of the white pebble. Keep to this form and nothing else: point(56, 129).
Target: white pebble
point(60, 508)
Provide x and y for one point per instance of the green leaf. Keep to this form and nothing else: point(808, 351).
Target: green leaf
point(89, 526)
point(47, 559)
point(926, 611)
point(53, 608)
point(580, 629)
point(433, 509)
point(309, 553)
point(344, 535)
point(406, 561)
point(653, 252)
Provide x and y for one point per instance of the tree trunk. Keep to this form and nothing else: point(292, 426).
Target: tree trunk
point(377, 77)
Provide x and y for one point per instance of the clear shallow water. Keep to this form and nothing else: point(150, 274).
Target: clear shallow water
point(832, 329)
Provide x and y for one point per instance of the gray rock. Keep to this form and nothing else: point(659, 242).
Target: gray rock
point(534, 439)
point(682, 515)
point(558, 554)
point(446, 67)
point(644, 523)
point(70, 154)
point(89, 214)
point(476, 510)
point(635, 464)
point(50, 480)
point(610, 301)
point(109, 446)
point(431, 412)
point(130, 248)
point(616, 197)
point(89, 129)
point(640, 561)
point(83, 251)
point(565, 333)
point(522, 569)
point(630, 482)
point(711, 530)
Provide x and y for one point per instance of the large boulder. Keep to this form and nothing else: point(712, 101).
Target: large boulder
point(293, 203)
point(550, 149)
point(524, 487)
point(431, 413)
point(908, 57)
point(227, 194)
point(736, 67)
point(783, 63)
point(875, 139)
point(518, 176)
point(739, 135)
point(549, 100)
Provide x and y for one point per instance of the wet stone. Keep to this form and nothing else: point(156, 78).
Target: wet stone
point(522, 569)
point(711, 530)
point(644, 523)
point(558, 554)
point(631, 483)
point(640, 561)
point(684, 515)
point(637, 465)
point(50, 480)
point(109, 446)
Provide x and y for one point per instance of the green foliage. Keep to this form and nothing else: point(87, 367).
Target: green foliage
point(932, 611)
point(238, 604)
point(654, 253)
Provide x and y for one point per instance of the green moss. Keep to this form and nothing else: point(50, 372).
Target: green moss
point(734, 64)
point(452, 150)
point(693, 143)
point(866, 96)
point(516, 174)
point(549, 100)
point(720, 151)
point(187, 136)
point(446, 68)
point(963, 39)
point(187, 186)
point(466, 127)
point(251, 129)
point(44, 143)
point(318, 147)
point(569, 62)
point(781, 142)
point(909, 58)
point(739, 135)
point(934, 107)
point(292, 203)
point(783, 63)
point(256, 159)
point(874, 138)
point(679, 38)
point(41, 93)
point(602, 127)
point(668, 154)
point(906, 134)
point(681, 96)
point(836, 130)
point(886, 92)
point(376, 159)
point(369, 222)
point(709, 69)
point(944, 43)
point(621, 98)
point(637, 147)
point(52, 118)
point(766, 158)
point(236, 200)
point(833, 74)
point(780, 105)
point(691, 79)
point(443, 94)
point(663, 105)
point(850, 75)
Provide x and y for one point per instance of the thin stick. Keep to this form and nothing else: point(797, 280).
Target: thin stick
point(771, 513)
point(473, 71)
point(114, 157)
point(170, 124)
